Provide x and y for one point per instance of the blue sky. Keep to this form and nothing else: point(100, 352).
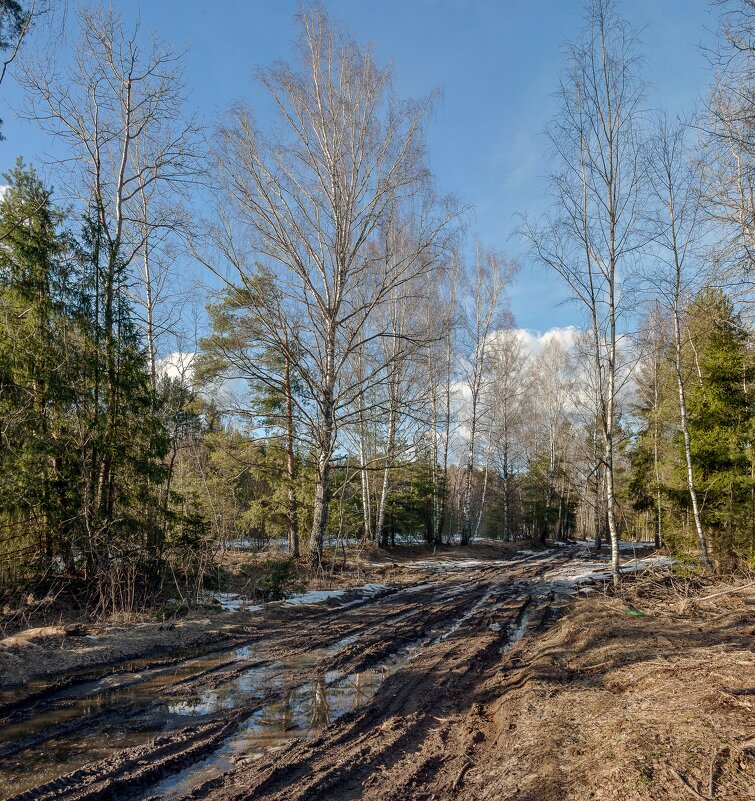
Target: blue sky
point(496, 62)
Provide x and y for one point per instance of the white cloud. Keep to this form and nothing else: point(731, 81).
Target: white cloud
point(534, 342)
point(177, 365)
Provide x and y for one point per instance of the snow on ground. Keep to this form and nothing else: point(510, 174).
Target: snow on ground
point(624, 545)
point(260, 545)
point(443, 566)
point(313, 597)
point(230, 602)
point(319, 596)
point(568, 578)
point(578, 575)
point(371, 589)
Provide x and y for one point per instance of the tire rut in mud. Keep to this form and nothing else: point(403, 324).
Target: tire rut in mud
point(352, 640)
point(374, 739)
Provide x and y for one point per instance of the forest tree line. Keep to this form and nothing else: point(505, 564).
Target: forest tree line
point(360, 375)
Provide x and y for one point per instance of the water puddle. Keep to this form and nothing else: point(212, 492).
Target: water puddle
point(302, 706)
point(517, 630)
point(116, 690)
point(300, 713)
point(295, 702)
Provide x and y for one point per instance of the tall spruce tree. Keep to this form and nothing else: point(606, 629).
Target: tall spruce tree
point(35, 297)
point(720, 420)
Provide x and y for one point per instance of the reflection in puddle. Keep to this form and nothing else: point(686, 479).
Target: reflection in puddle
point(144, 692)
point(114, 691)
point(300, 713)
point(302, 709)
point(294, 701)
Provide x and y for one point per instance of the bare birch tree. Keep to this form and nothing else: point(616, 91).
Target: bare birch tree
point(676, 186)
point(508, 395)
point(404, 390)
point(592, 234)
point(15, 24)
point(117, 107)
point(314, 193)
point(728, 165)
point(551, 380)
point(440, 369)
point(484, 313)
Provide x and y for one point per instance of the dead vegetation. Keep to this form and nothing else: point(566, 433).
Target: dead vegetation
point(645, 695)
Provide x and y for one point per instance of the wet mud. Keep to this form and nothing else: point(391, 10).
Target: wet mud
point(313, 703)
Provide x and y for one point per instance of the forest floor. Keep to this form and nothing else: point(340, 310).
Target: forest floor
point(467, 675)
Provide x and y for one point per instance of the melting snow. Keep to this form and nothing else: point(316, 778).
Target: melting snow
point(231, 602)
point(448, 565)
point(319, 596)
point(371, 589)
point(314, 597)
point(585, 573)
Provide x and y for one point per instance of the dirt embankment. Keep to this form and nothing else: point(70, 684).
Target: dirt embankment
point(611, 704)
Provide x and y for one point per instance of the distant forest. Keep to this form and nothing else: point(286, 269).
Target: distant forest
point(362, 378)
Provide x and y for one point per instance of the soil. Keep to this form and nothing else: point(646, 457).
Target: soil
point(466, 675)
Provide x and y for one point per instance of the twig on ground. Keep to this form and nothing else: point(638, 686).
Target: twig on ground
point(460, 775)
point(685, 784)
point(725, 592)
point(713, 766)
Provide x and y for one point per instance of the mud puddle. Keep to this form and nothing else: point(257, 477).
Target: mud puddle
point(152, 706)
point(127, 685)
point(298, 696)
point(516, 630)
point(300, 713)
point(129, 711)
point(303, 712)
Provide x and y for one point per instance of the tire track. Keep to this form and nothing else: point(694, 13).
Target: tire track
point(447, 624)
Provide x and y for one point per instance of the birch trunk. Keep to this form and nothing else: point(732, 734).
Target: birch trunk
point(291, 505)
point(687, 439)
point(379, 534)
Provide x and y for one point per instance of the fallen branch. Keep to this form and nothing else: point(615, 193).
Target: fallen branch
point(725, 592)
point(713, 766)
point(685, 784)
point(460, 775)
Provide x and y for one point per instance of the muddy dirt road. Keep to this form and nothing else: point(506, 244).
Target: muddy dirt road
point(377, 695)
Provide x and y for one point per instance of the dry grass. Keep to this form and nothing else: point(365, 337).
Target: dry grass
point(646, 695)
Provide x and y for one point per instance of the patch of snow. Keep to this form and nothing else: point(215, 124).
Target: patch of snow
point(649, 561)
point(443, 566)
point(314, 597)
point(624, 545)
point(371, 589)
point(634, 546)
point(572, 576)
point(231, 602)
